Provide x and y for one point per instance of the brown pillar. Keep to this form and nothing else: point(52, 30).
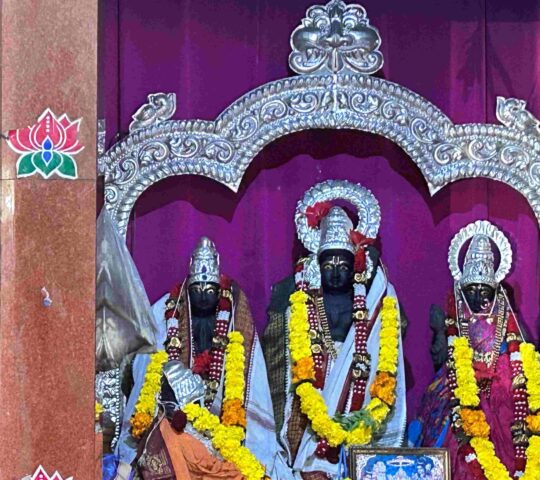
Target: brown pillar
point(47, 238)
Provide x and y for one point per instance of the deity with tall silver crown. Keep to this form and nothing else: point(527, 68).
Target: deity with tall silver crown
point(337, 303)
point(198, 320)
point(483, 341)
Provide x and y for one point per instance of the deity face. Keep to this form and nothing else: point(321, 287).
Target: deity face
point(337, 270)
point(479, 296)
point(203, 298)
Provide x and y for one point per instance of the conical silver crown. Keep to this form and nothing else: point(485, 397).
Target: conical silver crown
point(479, 265)
point(204, 266)
point(335, 231)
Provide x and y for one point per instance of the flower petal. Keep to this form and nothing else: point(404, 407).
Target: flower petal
point(20, 141)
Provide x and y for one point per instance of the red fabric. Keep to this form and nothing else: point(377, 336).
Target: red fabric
point(317, 212)
point(498, 409)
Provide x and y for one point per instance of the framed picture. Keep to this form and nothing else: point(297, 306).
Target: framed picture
point(399, 464)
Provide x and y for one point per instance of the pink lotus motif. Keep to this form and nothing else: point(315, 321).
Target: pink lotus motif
point(41, 474)
point(48, 146)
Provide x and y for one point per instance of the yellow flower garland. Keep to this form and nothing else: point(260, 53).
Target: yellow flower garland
point(532, 470)
point(227, 435)
point(311, 400)
point(467, 389)
point(233, 412)
point(226, 439)
point(467, 394)
point(146, 405)
point(531, 369)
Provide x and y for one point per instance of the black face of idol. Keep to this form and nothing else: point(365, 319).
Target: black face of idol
point(479, 297)
point(337, 270)
point(204, 298)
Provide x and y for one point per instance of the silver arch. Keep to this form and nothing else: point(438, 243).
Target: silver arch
point(335, 95)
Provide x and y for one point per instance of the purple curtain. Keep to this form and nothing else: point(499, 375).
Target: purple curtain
point(459, 55)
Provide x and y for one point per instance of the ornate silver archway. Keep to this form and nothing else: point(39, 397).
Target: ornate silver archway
point(334, 90)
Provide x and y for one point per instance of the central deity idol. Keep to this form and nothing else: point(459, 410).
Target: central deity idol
point(333, 343)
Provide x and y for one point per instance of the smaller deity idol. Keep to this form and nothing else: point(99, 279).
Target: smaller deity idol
point(485, 398)
point(333, 343)
point(226, 432)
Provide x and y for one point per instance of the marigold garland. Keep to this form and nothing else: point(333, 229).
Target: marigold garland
point(384, 387)
point(227, 440)
point(474, 422)
point(146, 405)
point(299, 341)
point(533, 422)
point(312, 402)
point(233, 412)
point(532, 472)
point(467, 390)
point(492, 466)
point(228, 433)
point(531, 369)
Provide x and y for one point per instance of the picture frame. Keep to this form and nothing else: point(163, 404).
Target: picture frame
point(399, 463)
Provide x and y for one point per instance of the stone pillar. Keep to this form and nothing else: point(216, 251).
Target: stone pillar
point(47, 239)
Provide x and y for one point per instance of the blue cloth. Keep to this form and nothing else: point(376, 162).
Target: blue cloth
point(110, 465)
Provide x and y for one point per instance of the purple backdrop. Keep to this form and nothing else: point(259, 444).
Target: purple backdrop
point(460, 55)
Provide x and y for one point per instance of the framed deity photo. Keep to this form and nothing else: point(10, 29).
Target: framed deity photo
point(399, 464)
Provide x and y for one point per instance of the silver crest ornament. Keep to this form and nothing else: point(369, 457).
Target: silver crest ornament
point(334, 38)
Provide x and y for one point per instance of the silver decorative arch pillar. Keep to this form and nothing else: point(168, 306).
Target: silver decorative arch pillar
point(334, 91)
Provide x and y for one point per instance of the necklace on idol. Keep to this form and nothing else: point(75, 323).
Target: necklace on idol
point(174, 343)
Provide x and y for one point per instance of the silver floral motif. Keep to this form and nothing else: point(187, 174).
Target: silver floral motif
point(109, 394)
point(160, 107)
point(335, 38)
point(512, 113)
point(223, 149)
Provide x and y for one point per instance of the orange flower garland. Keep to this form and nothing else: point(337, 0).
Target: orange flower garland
point(384, 387)
point(474, 423)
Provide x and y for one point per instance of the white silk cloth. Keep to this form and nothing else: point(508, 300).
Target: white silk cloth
point(393, 432)
point(260, 432)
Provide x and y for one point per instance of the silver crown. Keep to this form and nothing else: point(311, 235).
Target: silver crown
point(365, 203)
point(204, 266)
point(479, 264)
point(336, 228)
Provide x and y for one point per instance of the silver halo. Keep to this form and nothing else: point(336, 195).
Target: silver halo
point(486, 228)
point(367, 206)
